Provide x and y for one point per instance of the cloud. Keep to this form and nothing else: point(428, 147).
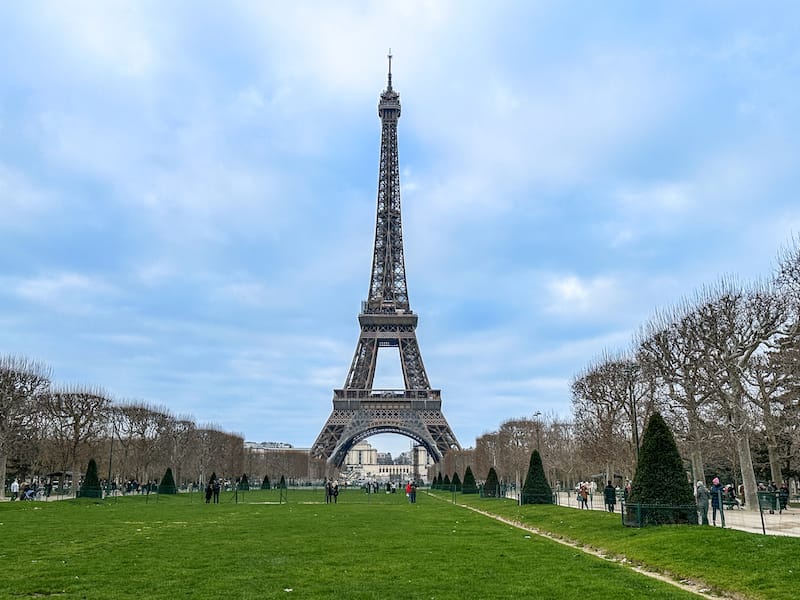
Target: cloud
point(112, 39)
point(571, 295)
point(65, 292)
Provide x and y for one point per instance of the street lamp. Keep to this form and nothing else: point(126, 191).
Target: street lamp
point(536, 416)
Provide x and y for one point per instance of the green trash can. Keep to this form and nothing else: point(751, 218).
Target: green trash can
point(768, 501)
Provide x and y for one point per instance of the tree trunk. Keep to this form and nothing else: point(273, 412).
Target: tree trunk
point(774, 463)
point(3, 475)
point(698, 469)
point(772, 443)
point(748, 474)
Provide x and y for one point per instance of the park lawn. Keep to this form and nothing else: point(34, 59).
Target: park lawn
point(366, 546)
point(728, 560)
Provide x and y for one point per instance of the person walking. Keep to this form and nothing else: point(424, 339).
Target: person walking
point(701, 497)
point(716, 500)
point(14, 489)
point(583, 495)
point(610, 496)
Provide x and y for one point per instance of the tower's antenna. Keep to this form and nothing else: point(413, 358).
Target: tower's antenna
point(389, 56)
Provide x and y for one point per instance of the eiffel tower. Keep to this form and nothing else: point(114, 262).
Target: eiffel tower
point(387, 321)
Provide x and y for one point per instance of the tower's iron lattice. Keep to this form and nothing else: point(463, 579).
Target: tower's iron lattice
point(386, 320)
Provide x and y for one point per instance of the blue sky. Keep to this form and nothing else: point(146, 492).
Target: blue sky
point(187, 190)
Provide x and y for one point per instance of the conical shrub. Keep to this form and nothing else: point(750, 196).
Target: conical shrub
point(491, 489)
point(536, 489)
point(660, 480)
point(469, 486)
point(90, 488)
point(456, 482)
point(244, 484)
point(265, 485)
point(167, 485)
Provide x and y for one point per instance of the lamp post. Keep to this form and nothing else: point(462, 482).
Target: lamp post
point(536, 416)
point(110, 455)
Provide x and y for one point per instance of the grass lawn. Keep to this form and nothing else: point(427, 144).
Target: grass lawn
point(375, 546)
point(752, 565)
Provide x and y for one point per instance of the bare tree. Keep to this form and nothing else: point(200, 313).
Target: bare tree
point(733, 325)
point(607, 414)
point(21, 381)
point(139, 427)
point(670, 351)
point(179, 435)
point(77, 417)
point(516, 440)
point(565, 457)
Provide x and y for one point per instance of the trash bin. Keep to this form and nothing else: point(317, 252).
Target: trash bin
point(768, 501)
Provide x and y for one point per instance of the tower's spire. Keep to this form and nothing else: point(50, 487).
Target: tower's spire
point(389, 56)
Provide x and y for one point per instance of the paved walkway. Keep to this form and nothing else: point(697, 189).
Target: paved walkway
point(780, 523)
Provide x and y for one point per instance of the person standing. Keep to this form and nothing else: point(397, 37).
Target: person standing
point(408, 491)
point(783, 496)
point(413, 492)
point(701, 497)
point(583, 495)
point(610, 495)
point(215, 487)
point(209, 491)
point(14, 489)
point(335, 491)
point(716, 500)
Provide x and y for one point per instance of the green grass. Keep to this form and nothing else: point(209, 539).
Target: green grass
point(752, 565)
point(364, 547)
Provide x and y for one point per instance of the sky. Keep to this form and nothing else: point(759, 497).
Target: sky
point(188, 191)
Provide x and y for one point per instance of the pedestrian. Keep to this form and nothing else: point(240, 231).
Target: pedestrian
point(701, 497)
point(408, 491)
point(14, 489)
point(328, 491)
point(413, 492)
point(610, 495)
point(209, 491)
point(216, 487)
point(783, 495)
point(716, 500)
point(335, 491)
point(583, 495)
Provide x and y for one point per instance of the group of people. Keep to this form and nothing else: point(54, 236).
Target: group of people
point(29, 491)
point(331, 491)
point(719, 496)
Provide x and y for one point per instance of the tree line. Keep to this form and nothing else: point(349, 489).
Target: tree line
point(50, 431)
point(721, 367)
